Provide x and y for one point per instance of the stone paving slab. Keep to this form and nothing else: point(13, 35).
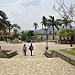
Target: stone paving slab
point(40, 66)
point(37, 64)
point(37, 52)
point(53, 46)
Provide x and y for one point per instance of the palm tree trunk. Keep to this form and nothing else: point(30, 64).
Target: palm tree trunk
point(45, 31)
point(9, 32)
point(53, 33)
point(66, 26)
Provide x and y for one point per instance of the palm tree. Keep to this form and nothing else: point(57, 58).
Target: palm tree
point(22, 32)
point(12, 26)
point(16, 27)
point(35, 25)
point(2, 26)
point(9, 26)
point(51, 22)
point(3, 15)
point(15, 30)
point(66, 23)
point(59, 22)
point(3, 20)
point(44, 22)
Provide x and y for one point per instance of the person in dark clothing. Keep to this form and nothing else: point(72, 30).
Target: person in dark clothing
point(25, 49)
point(31, 48)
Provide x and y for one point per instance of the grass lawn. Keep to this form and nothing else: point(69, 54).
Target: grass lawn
point(72, 52)
point(7, 51)
point(51, 50)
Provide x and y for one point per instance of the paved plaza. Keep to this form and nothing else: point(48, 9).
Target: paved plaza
point(38, 64)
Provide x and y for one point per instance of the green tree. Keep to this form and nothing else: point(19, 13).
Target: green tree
point(44, 22)
point(66, 23)
point(3, 15)
point(35, 25)
point(15, 35)
point(9, 26)
point(66, 33)
point(22, 32)
point(51, 22)
point(16, 26)
point(30, 34)
point(15, 30)
point(35, 33)
point(3, 20)
point(24, 36)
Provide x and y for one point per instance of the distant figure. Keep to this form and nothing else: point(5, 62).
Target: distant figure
point(31, 48)
point(25, 49)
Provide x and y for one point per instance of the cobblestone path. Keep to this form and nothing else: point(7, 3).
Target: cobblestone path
point(37, 64)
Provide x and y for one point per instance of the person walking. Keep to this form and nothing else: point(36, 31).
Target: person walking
point(24, 49)
point(31, 48)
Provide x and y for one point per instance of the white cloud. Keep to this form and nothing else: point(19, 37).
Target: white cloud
point(14, 9)
point(28, 2)
point(23, 1)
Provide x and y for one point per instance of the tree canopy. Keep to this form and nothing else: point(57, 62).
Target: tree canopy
point(5, 24)
point(35, 25)
point(28, 35)
point(66, 32)
point(3, 20)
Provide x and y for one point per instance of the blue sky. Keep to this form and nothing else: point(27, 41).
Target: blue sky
point(26, 12)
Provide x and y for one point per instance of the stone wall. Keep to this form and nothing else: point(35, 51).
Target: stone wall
point(3, 55)
point(7, 55)
point(69, 58)
point(50, 37)
point(11, 54)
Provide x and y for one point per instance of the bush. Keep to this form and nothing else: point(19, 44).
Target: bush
point(28, 35)
point(35, 33)
point(15, 35)
point(24, 36)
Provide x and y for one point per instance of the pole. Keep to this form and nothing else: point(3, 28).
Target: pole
point(46, 40)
